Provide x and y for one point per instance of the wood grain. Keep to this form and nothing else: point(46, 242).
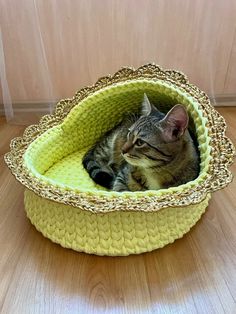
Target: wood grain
point(230, 80)
point(196, 274)
point(52, 48)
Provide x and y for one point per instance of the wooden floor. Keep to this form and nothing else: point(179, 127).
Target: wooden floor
point(196, 274)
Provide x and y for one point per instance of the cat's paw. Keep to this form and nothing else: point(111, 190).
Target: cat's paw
point(102, 178)
point(119, 187)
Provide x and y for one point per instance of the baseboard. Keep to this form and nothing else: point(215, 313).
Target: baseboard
point(223, 100)
point(27, 107)
point(44, 107)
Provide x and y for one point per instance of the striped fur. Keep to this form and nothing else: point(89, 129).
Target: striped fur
point(149, 151)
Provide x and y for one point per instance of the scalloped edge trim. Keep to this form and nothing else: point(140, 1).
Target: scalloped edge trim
point(218, 177)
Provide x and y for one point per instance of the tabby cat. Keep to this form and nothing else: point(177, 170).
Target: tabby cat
point(146, 152)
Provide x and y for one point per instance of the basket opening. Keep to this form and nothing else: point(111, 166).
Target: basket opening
point(56, 155)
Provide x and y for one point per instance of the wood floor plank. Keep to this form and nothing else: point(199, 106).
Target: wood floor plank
point(196, 274)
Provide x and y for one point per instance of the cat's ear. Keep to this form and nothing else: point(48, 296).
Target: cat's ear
point(147, 108)
point(175, 123)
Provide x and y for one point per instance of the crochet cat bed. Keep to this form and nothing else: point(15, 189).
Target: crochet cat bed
point(70, 209)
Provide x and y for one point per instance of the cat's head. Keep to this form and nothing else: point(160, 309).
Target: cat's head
point(155, 138)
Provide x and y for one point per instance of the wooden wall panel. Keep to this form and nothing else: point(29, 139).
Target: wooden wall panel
point(230, 80)
point(54, 47)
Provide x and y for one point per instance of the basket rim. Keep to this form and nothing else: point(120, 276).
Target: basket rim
point(222, 148)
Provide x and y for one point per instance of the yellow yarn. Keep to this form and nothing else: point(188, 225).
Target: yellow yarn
point(94, 116)
point(55, 159)
point(115, 233)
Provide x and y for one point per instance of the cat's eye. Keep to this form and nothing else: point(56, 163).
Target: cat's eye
point(139, 142)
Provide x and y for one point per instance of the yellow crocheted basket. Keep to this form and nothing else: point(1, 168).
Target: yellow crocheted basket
point(70, 209)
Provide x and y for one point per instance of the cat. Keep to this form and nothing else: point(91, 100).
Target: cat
point(149, 151)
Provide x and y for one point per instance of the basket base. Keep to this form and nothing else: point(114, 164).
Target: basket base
point(117, 233)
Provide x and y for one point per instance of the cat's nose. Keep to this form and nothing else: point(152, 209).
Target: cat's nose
point(125, 148)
